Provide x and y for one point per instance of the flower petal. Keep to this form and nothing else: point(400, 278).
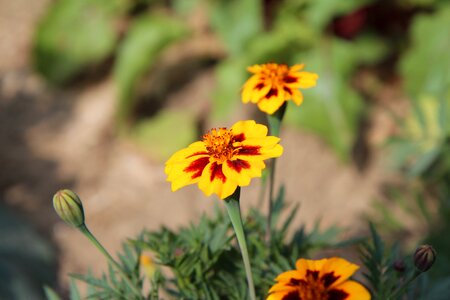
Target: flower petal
point(272, 104)
point(248, 129)
point(297, 97)
point(242, 171)
point(186, 166)
point(288, 294)
point(336, 270)
point(288, 276)
point(352, 289)
point(213, 180)
point(305, 265)
point(307, 80)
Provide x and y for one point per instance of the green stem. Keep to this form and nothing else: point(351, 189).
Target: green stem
point(234, 212)
point(402, 288)
point(274, 126)
point(83, 228)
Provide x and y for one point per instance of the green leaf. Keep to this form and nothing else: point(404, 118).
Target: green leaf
point(332, 108)
point(320, 12)
point(236, 21)
point(165, 133)
point(51, 294)
point(148, 37)
point(74, 35)
point(425, 66)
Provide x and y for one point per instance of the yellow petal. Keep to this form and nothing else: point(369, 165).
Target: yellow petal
point(243, 171)
point(249, 129)
point(254, 69)
point(297, 97)
point(289, 275)
point(296, 67)
point(213, 180)
point(285, 294)
point(355, 291)
point(336, 270)
point(303, 265)
point(307, 80)
point(272, 104)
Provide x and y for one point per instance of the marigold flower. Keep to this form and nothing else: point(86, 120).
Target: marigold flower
point(273, 84)
point(325, 279)
point(224, 159)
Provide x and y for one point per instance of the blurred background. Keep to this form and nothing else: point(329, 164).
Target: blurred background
point(95, 95)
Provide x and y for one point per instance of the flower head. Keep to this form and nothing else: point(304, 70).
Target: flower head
point(224, 159)
point(325, 279)
point(273, 84)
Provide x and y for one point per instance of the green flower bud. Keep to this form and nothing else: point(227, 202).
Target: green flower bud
point(424, 257)
point(69, 208)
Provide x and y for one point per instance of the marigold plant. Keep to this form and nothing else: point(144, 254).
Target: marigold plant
point(325, 279)
point(272, 84)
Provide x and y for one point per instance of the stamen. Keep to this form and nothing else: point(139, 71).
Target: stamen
point(219, 144)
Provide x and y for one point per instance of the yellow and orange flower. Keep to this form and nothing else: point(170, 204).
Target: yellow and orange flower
point(224, 159)
point(325, 279)
point(273, 84)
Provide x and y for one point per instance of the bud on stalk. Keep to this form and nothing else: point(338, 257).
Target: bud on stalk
point(69, 208)
point(424, 257)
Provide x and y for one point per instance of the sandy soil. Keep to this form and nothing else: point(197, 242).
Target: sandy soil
point(52, 139)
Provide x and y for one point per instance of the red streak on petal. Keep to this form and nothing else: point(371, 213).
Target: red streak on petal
point(314, 274)
point(239, 138)
point(197, 167)
point(291, 296)
point(216, 173)
point(329, 278)
point(287, 90)
point(337, 295)
point(238, 165)
point(290, 79)
point(259, 86)
point(249, 150)
point(272, 92)
point(197, 153)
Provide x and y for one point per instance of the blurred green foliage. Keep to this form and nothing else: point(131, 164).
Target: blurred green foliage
point(75, 35)
point(333, 38)
point(27, 260)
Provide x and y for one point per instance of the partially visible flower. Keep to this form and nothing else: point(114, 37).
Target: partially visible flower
point(224, 159)
point(273, 84)
point(69, 208)
point(325, 279)
point(424, 257)
point(147, 264)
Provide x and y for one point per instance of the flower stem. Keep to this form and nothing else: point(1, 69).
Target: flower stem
point(234, 212)
point(83, 228)
point(274, 125)
point(403, 287)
